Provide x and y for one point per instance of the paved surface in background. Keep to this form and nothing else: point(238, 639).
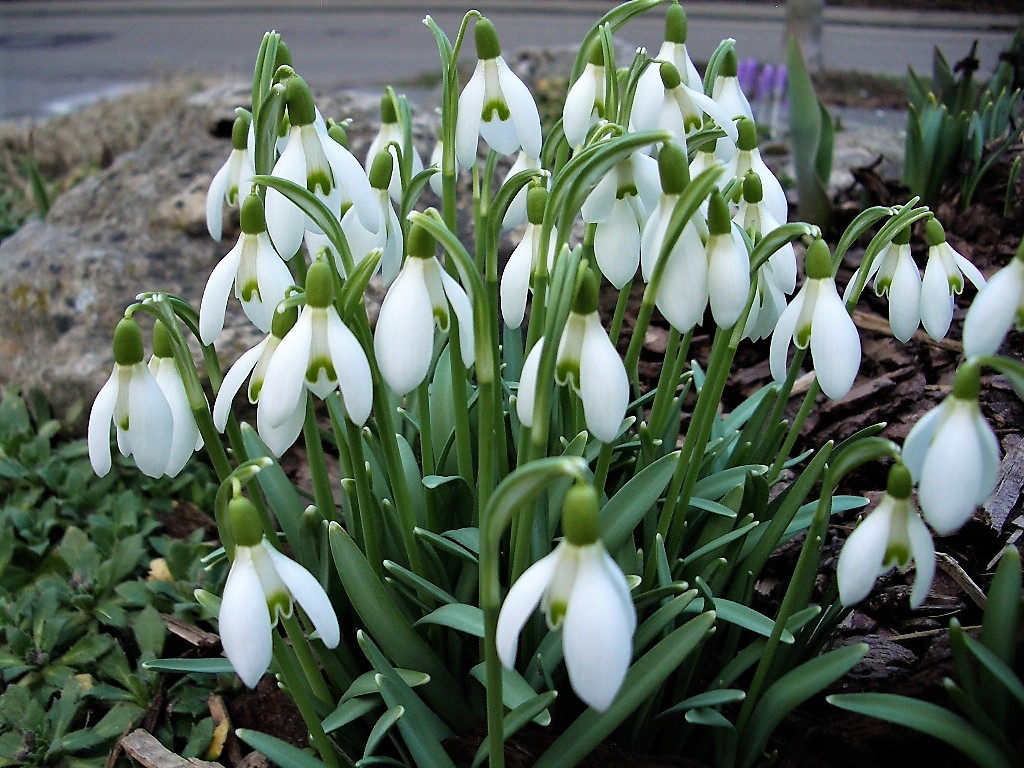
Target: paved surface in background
point(55, 54)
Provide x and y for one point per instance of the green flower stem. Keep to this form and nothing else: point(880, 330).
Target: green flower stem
point(304, 654)
point(323, 495)
point(234, 433)
point(676, 352)
point(794, 431)
point(604, 461)
point(460, 397)
point(620, 312)
point(427, 449)
point(298, 687)
point(495, 706)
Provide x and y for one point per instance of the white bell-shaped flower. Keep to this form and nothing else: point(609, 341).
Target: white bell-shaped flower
point(584, 103)
point(892, 536)
point(747, 159)
point(649, 87)
point(320, 354)
point(754, 216)
point(953, 455)
point(728, 93)
point(231, 180)
point(525, 260)
point(896, 275)
point(677, 108)
point(998, 306)
point(728, 264)
point(252, 365)
point(516, 212)
point(185, 437)
point(495, 105)
point(587, 361)
point(135, 403)
point(422, 296)
point(390, 135)
point(619, 204)
point(682, 294)
point(943, 278)
point(259, 276)
point(817, 316)
point(582, 591)
point(262, 585)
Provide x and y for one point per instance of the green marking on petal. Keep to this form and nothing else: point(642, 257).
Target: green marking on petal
point(626, 189)
point(495, 107)
point(442, 318)
point(250, 291)
point(318, 364)
point(556, 612)
point(279, 604)
point(568, 372)
point(318, 178)
point(956, 284)
point(802, 337)
point(897, 553)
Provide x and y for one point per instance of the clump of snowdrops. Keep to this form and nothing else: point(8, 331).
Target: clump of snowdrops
point(523, 534)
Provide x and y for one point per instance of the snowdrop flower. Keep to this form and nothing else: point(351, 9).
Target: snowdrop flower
point(728, 264)
point(727, 92)
point(580, 589)
point(748, 159)
point(422, 296)
point(754, 216)
point(677, 108)
point(619, 205)
point(253, 365)
point(998, 305)
point(134, 402)
point(768, 305)
point(516, 212)
point(391, 135)
point(388, 238)
point(892, 536)
point(262, 586)
point(525, 260)
point(232, 177)
point(682, 294)
point(255, 270)
point(584, 103)
point(588, 362)
point(185, 437)
point(495, 105)
point(943, 277)
point(320, 354)
point(953, 455)
point(896, 276)
point(649, 87)
point(817, 316)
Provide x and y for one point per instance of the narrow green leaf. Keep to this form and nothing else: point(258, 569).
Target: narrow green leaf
point(366, 683)
point(715, 486)
point(742, 616)
point(277, 751)
point(458, 616)
point(515, 690)
point(196, 666)
point(381, 727)
point(627, 507)
point(348, 711)
point(516, 719)
point(714, 698)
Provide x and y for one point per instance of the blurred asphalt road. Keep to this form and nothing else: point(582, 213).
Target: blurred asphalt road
point(55, 54)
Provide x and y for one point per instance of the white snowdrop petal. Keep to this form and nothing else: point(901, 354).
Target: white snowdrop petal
point(184, 433)
point(352, 369)
point(149, 416)
point(394, 246)
point(403, 340)
point(215, 202)
point(771, 188)
point(988, 454)
point(215, 295)
point(467, 125)
point(309, 594)
point(520, 603)
point(463, 310)
point(860, 561)
point(604, 386)
point(920, 437)
point(905, 299)
point(232, 382)
point(528, 385)
point(718, 112)
point(273, 279)
point(993, 311)
point(936, 300)
point(646, 179)
point(599, 203)
point(244, 620)
point(350, 175)
point(923, 550)
point(617, 245)
point(515, 281)
point(970, 271)
point(952, 473)
point(835, 344)
point(577, 115)
point(100, 417)
point(281, 437)
point(523, 109)
point(683, 294)
point(286, 372)
point(778, 351)
point(285, 222)
point(728, 278)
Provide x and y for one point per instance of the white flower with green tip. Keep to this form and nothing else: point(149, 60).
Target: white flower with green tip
point(896, 276)
point(943, 279)
point(389, 136)
point(673, 50)
point(728, 264)
point(495, 105)
point(231, 180)
point(582, 591)
point(584, 103)
point(676, 108)
point(747, 159)
point(185, 437)
point(262, 586)
point(524, 261)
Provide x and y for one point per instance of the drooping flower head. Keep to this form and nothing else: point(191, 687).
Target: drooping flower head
point(673, 50)
point(943, 279)
point(584, 103)
point(998, 306)
point(525, 259)
point(422, 296)
point(262, 586)
point(136, 405)
point(677, 108)
point(320, 354)
point(391, 136)
point(231, 180)
point(185, 437)
point(953, 455)
point(516, 212)
point(586, 361)
point(896, 276)
point(893, 536)
point(748, 159)
point(726, 90)
point(818, 317)
point(728, 264)
point(495, 105)
point(388, 237)
point(256, 271)
point(580, 589)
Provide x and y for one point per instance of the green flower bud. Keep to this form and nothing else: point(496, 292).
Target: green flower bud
point(319, 285)
point(283, 321)
point(244, 522)
point(162, 346)
point(934, 232)
point(818, 262)
point(283, 57)
point(902, 237)
point(719, 222)
point(673, 168)
point(240, 133)
point(300, 102)
point(670, 75)
point(675, 24)
point(252, 217)
point(388, 116)
point(422, 244)
point(586, 298)
point(752, 191)
point(900, 482)
point(747, 139)
point(337, 132)
point(596, 54)
point(283, 73)
point(128, 349)
point(381, 169)
point(536, 202)
point(486, 37)
point(581, 522)
point(728, 65)
point(967, 382)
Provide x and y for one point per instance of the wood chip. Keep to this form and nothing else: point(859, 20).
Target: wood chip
point(952, 568)
point(1003, 501)
point(143, 746)
point(190, 633)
